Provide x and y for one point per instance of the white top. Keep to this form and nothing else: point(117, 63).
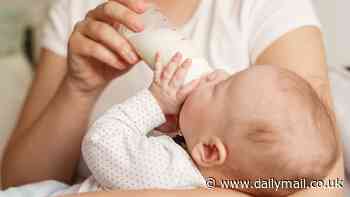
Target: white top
point(231, 34)
point(120, 155)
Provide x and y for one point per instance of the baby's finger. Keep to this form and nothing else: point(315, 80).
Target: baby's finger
point(180, 74)
point(170, 69)
point(157, 69)
point(187, 89)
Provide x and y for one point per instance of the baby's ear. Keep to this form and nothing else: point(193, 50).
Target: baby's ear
point(210, 152)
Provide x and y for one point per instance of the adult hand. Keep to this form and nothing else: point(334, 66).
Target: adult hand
point(97, 53)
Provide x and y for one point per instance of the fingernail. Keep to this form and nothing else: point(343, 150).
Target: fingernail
point(138, 25)
point(140, 7)
point(129, 55)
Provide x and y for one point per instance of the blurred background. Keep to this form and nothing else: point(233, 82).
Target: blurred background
point(20, 21)
point(334, 16)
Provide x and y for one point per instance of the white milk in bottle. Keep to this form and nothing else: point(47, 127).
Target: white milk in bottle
point(160, 36)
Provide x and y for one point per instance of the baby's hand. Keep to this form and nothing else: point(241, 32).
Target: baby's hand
point(168, 84)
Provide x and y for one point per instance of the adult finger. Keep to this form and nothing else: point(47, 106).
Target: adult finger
point(83, 46)
point(115, 13)
point(109, 37)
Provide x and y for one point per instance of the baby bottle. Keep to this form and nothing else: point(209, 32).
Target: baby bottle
point(160, 36)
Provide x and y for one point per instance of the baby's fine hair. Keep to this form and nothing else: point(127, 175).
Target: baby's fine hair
point(296, 141)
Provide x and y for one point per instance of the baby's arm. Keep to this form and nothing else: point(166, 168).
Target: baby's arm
point(117, 150)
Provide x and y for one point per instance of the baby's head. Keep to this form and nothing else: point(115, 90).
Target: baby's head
point(264, 122)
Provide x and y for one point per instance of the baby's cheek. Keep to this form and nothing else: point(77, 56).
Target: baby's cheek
point(185, 118)
point(188, 117)
point(195, 109)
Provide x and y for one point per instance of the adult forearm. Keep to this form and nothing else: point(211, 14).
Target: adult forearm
point(50, 148)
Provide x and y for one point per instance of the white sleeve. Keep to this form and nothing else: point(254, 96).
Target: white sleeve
point(120, 155)
point(269, 20)
point(56, 30)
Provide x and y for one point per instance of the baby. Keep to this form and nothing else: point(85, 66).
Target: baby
point(264, 122)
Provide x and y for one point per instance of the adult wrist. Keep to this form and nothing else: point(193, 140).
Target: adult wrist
point(73, 88)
